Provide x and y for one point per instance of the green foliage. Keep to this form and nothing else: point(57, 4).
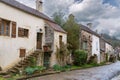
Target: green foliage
point(112, 58)
point(33, 61)
point(62, 54)
point(115, 42)
point(107, 57)
point(93, 59)
point(80, 57)
point(1, 78)
point(61, 68)
point(58, 18)
point(57, 67)
point(66, 68)
point(72, 29)
point(31, 70)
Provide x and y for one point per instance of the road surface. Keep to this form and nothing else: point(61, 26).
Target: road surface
point(98, 73)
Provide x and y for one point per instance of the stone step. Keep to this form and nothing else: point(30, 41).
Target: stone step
point(13, 71)
point(7, 76)
point(3, 73)
point(18, 65)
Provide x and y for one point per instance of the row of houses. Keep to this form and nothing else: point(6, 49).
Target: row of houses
point(94, 43)
point(24, 30)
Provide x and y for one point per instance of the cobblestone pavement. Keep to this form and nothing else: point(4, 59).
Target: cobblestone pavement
point(97, 73)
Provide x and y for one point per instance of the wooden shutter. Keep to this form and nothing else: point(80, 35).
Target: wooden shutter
point(13, 30)
point(20, 32)
point(22, 53)
point(26, 31)
point(0, 25)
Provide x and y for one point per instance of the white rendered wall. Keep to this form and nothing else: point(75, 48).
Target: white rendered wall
point(9, 47)
point(96, 46)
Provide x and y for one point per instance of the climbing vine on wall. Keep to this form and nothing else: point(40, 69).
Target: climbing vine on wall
point(63, 55)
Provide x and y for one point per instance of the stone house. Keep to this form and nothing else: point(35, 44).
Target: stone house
point(23, 31)
point(90, 41)
point(54, 36)
point(86, 39)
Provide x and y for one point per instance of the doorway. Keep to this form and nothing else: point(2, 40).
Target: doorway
point(39, 40)
point(47, 56)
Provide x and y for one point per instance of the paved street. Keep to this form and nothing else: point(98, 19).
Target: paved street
point(97, 73)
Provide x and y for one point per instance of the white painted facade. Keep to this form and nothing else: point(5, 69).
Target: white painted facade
point(9, 48)
point(96, 46)
point(109, 49)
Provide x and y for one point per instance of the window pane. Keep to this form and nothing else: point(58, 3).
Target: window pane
point(7, 29)
point(2, 28)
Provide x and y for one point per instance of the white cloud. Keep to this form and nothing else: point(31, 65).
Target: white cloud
point(105, 17)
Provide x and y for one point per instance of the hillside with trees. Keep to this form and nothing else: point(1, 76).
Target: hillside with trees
point(115, 42)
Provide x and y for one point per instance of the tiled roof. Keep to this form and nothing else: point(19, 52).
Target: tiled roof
point(24, 8)
point(85, 28)
point(56, 27)
point(34, 12)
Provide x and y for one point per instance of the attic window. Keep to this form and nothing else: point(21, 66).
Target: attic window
point(23, 32)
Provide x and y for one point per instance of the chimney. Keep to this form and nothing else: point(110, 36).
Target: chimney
point(89, 25)
point(39, 5)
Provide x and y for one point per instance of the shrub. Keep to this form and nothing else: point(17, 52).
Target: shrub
point(57, 67)
point(66, 68)
point(33, 61)
point(93, 59)
point(106, 57)
point(31, 70)
point(80, 57)
point(61, 68)
point(62, 55)
point(1, 78)
point(112, 58)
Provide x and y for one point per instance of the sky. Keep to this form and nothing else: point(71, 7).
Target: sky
point(103, 14)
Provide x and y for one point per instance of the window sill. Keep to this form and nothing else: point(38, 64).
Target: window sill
point(24, 37)
point(1, 36)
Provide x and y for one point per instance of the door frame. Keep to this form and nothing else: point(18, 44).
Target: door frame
point(39, 40)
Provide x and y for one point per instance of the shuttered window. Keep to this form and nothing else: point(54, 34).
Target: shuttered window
point(22, 53)
point(13, 34)
point(4, 27)
point(23, 32)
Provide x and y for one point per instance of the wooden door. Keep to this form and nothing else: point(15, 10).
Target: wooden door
point(39, 40)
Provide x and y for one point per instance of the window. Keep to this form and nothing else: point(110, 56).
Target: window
point(60, 40)
point(23, 32)
point(22, 53)
point(4, 27)
point(85, 45)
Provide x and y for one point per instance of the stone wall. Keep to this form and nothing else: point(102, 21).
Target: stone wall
point(86, 36)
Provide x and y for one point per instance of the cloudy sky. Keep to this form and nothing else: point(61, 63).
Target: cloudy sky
point(104, 14)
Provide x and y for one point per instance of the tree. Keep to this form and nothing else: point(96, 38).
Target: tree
point(58, 18)
point(72, 29)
